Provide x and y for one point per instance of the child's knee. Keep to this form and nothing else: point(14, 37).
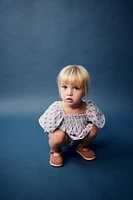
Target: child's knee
point(93, 131)
point(58, 137)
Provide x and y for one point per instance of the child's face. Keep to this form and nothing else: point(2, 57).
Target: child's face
point(71, 93)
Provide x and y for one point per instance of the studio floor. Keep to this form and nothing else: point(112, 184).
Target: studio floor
point(25, 172)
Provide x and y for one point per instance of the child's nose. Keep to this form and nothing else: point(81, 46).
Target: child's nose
point(69, 92)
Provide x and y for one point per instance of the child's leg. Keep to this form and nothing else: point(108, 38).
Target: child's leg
point(90, 137)
point(57, 139)
point(82, 149)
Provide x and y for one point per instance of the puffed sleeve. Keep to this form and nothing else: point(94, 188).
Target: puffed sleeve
point(95, 115)
point(51, 118)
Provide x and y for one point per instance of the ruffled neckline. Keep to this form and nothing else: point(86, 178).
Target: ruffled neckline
point(74, 115)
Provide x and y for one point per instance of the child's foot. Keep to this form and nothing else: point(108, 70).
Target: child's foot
point(56, 158)
point(86, 153)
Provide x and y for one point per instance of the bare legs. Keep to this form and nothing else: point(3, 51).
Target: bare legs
point(89, 138)
point(59, 138)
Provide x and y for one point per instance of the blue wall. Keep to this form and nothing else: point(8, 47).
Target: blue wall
point(39, 38)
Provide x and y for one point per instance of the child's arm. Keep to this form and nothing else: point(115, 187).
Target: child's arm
point(95, 115)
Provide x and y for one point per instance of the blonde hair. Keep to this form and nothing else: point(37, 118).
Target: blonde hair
point(73, 74)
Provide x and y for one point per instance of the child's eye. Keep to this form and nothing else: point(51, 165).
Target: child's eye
point(76, 88)
point(64, 87)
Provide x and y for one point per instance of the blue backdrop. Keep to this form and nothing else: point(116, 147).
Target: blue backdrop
point(37, 39)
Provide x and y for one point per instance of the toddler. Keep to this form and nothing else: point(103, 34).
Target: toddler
point(72, 119)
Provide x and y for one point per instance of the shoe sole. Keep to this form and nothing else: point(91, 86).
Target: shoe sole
point(54, 165)
point(85, 157)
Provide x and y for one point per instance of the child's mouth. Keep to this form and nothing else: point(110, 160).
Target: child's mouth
point(69, 100)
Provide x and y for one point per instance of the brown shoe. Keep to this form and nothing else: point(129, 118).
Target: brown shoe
point(86, 153)
point(56, 158)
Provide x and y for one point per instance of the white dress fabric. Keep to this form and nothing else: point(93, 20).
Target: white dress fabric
point(76, 126)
